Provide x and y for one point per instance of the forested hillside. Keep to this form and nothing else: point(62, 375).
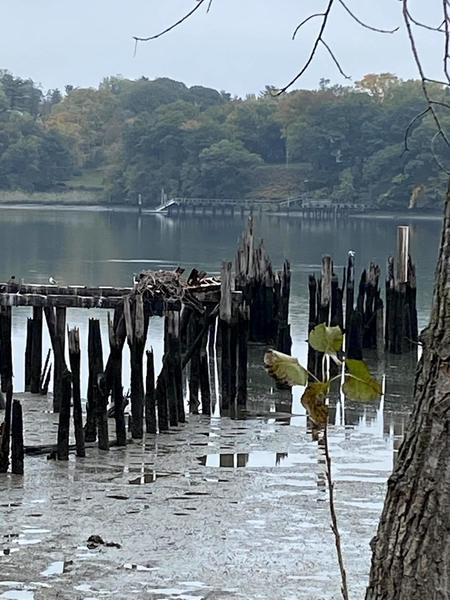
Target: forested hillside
point(138, 137)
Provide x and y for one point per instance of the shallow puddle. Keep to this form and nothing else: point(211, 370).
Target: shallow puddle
point(150, 477)
point(255, 459)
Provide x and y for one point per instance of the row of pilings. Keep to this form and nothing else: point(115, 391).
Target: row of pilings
point(358, 308)
point(252, 306)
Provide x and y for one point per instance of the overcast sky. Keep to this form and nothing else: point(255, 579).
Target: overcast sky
point(240, 46)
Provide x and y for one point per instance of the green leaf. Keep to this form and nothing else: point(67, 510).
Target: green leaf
point(313, 400)
point(326, 339)
point(359, 384)
point(285, 369)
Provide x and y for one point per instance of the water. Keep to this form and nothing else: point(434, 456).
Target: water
point(100, 248)
point(203, 531)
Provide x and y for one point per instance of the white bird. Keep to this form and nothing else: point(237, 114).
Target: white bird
point(351, 253)
point(52, 281)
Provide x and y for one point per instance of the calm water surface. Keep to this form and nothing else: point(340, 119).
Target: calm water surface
point(97, 248)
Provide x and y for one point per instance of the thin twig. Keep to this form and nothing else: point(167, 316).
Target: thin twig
point(422, 73)
point(335, 60)
point(334, 523)
point(300, 25)
point(378, 30)
point(173, 26)
point(424, 25)
point(326, 15)
point(411, 125)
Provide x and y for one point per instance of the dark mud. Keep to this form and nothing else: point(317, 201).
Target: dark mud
point(256, 528)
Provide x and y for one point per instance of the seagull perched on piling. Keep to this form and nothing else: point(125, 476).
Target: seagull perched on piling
point(52, 281)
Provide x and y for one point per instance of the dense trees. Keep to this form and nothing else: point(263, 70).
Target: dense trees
point(343, 143)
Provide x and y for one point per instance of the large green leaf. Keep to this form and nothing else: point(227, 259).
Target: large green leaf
point(326, 339)
point(285, 369)
point(359, 384)
point(313, 400)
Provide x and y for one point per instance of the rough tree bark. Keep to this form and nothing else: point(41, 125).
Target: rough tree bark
point(411, 552)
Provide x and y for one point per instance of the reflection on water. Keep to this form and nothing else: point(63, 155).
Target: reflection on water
point(253, 459)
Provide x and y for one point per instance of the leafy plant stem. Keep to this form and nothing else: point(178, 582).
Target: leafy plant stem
point(334, 524)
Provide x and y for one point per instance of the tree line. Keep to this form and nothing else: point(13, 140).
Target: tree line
point(359, 143)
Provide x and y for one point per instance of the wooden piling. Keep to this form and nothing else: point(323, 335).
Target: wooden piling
point(243, 333)
point(6, 365)
point(17, 439)
point(172, 332)
point(225, 317)
point(75, 361)
point(28, 343)
point(401, 331)
point(150, 405)
point(102, 412)
point(113, 371)
point(44, 375)
point(194, 343)
point(36, 351)
point(161, 402)
point(64, 417)
point(56, 323)
point(205, 389)
point(95, 368)
point(5, 431)
point(136, 321)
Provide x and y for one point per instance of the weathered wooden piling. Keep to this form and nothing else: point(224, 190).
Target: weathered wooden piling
point(27, 364)
point(161, 402)
point(169, 365)
point(150, 404)
point(266, 293)
point(75, 361)
point(243, 333)
point(113, 371)
point(401, 331)
point(225, 324)
point(136, 322)
point(282, 297)
point(64, 416)
point(36, 351)
point(17, 439)
point(56, 323)
point(45, 374)
point(205, 387)
point(194, 331)
point(95, 368)
point(5, 431)
point(6, 365)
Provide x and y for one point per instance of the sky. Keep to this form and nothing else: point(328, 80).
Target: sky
point(240, 46)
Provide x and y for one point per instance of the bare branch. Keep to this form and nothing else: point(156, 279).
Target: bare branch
point(174, 25)
point(326, 15)
point(447, 41)
point(424, 25)
point(433, 151)
point(300, 25)
point(335, 60)
point(354, 17)
point(423, 78)
point(209, 6)
point(411, 125)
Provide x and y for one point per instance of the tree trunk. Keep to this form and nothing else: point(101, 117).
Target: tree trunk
point(411, 552)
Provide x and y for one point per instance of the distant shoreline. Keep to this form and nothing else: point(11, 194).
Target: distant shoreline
point(91, 201)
